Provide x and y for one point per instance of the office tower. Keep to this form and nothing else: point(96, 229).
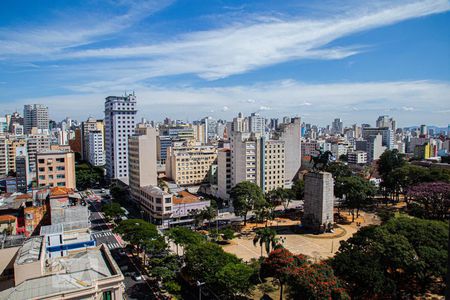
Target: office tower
point(337, 127)
point(387, 135)
point(200, 133)
point(372, 145)
point(423, 130)
point(22, 169)
point(56, 168)
point(189, 165)
point(319, 201)
point(273, 124)
point(96, 148)
point(290, 134)
point(257, 123)
point(35, 115)
point(385, 121)
point(142, 160)
point(3, 155)
point(163, 143)
point(120, 115)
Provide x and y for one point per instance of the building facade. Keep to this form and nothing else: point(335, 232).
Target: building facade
point(35, 115)
point(96, 148)
point(56, 168)
point(120, 115)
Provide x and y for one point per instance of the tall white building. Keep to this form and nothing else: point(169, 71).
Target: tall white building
point(290, 134)
point(337, 127)
point(257, 123)
point(96, 148)
point(35, 115)
point(385, 121)
point(120, 112)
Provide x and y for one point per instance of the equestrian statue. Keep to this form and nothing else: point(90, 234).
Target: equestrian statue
point(323, 159)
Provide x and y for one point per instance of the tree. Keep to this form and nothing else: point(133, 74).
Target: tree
point(87, 176)
point(267, 237)
point(400, 259)
point(338, 169)
point(390, 160)
point(246, 196)
point(280, 196)
point(184, 236)
point(234, 278)
point(433, 198)
point(279, 264)
point(208, 213)
point(298, 189)
point(113, 210)
point(137, 232)
point(209, 263)
point(315, 281)
point(118, 193)
point(355, 193)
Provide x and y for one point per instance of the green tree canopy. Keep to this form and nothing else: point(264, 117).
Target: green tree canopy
point(137, 232)
point(235, 279)
point(246, 196)
point(298, 189)
point(266, 237)
point(113, 210)
point(338, 169)
point(355, 193)
point(402, 258)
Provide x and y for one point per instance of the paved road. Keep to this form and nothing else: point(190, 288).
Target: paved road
point(103, 234)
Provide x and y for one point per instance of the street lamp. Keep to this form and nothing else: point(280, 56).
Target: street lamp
point(200, 284)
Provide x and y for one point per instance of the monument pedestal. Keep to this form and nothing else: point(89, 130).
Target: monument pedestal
point(319, 201)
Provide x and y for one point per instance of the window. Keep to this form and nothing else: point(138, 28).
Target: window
point(61, 160)
point(107, 295)
point(168, 200)
point(60, 168)
point(41, 161)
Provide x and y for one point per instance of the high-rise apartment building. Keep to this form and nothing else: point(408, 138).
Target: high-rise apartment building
point(255, 159)
point(56, 168)
point(22, 170)
point(224, 173)
point(257, 123)
point(290, 134)
point(385, 121)
point(35, 144)
point(120, 112)
point(35, 115)
point(3, 155)
point(87, 126)
point(142, 160)
point(189, 165)
point(12, 145)
point(96, 148)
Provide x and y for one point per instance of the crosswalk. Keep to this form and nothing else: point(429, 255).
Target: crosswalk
point(102, 234)
point(107, 238)
point(113, 246)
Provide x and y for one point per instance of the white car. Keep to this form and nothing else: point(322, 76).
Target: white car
point(137, 277)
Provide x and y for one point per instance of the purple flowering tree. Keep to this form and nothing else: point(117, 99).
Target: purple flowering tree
point(433, 198)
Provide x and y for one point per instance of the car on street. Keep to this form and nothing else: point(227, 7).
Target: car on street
point(136, 277)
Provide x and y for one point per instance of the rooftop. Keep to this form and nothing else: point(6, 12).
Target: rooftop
point(185, 197)
point(64, 275)
point(30, 251)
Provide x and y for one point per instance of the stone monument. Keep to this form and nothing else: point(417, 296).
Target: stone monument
point(319, 201)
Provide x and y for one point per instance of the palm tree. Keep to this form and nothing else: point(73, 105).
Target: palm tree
point(267, 237)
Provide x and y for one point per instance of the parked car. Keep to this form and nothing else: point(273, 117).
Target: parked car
point(136, 276)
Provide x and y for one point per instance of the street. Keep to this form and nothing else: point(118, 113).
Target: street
point(103, 234)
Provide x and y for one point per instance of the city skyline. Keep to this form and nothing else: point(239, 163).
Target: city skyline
point(185, 60)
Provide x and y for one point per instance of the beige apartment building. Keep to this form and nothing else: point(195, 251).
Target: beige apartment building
point(142, 160)
point(274, 165)
point(56, 168)
point(12, 145)
point(189, 165)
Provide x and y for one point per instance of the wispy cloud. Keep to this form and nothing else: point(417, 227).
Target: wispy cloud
point(234, 49)
point(327, 101)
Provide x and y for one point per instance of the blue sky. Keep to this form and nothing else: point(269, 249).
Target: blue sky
point(189, 59)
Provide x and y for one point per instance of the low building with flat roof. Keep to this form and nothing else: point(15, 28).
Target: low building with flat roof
point(83, 274)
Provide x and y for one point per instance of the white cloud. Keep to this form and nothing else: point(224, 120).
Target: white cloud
point(225, 108)
point(407, 108)
point(218, 53)
point(327, 101)
point(250, 101)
